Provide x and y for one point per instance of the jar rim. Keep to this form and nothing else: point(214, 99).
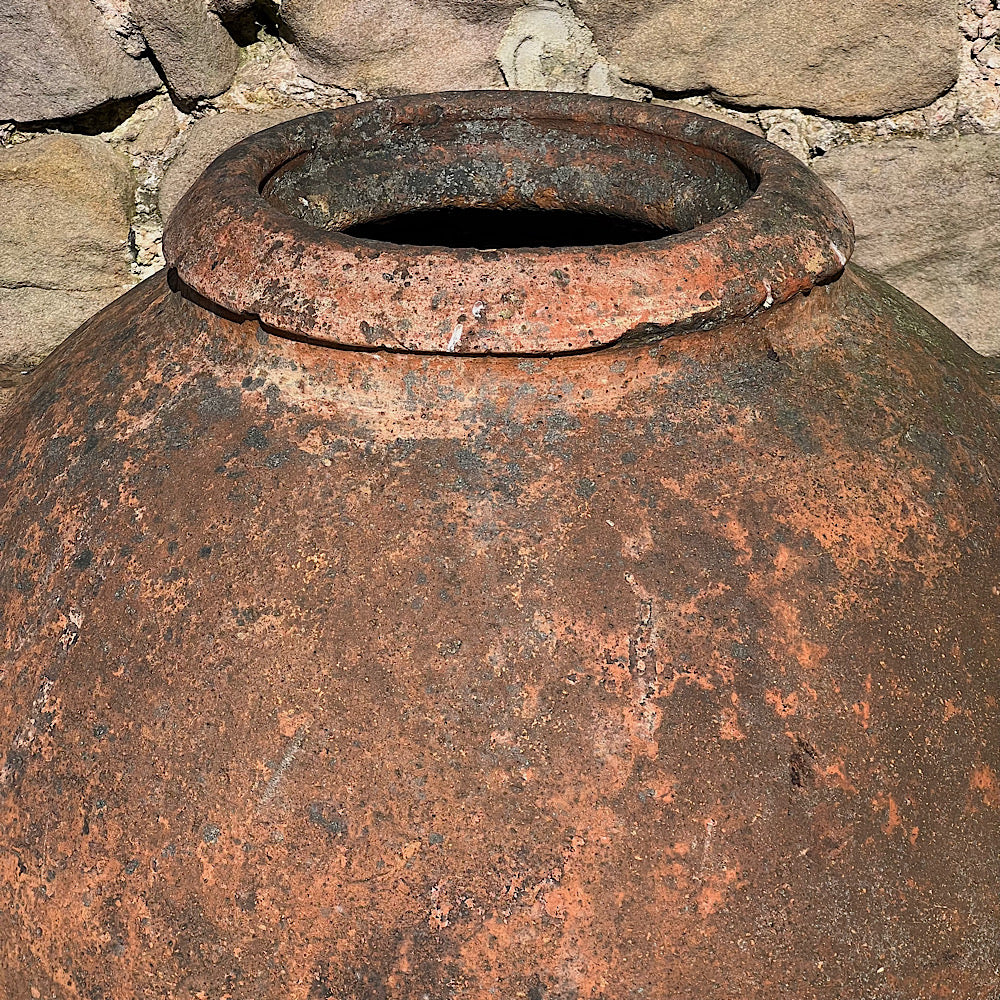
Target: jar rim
point(230, 244)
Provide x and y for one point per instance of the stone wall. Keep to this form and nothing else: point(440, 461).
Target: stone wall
point(109, 109)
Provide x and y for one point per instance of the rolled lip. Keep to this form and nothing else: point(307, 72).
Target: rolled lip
point(239, 252)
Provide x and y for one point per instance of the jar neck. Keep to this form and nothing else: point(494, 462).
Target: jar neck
point(682, 222)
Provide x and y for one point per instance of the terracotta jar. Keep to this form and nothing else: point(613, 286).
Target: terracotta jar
point(508, 553)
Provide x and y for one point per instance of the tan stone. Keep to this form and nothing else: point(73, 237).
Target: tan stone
point(927, 218)
point(151, 130)
point(398, 46)
point(64, 245)
point(838, 57)
point(35, 321)
point(67, 203)
point(58, 58)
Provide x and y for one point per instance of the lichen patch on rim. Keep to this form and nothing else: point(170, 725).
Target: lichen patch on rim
point(261, 233)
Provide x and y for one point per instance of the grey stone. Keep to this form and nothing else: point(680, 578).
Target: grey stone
point(205, 139)
point(839, 58)
point(398, 46)
point(197, 54)
point(59, 58)
point(927, 219)
point(64, 245)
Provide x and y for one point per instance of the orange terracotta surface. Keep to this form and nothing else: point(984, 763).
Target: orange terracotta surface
point(665, 669)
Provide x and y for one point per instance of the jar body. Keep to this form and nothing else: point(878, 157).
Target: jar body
point(663, 670)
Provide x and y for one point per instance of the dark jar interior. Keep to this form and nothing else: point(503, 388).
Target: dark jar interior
point(509, 183)
point(506, 228)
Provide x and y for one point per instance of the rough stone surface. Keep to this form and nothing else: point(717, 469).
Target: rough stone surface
point(151, 130)
point(198, 56)
point(399, 46)
point(927, 219)
point(545, 47)
point(35, 321)
point(58, 58)
point(839, 58)
point(205, 139)
point(118, 19)
point(268, 77)
point(803, 135)
point(230, 8)
point(64, 244)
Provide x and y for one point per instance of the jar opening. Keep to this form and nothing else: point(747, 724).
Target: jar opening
point(503, 223)
point(510, 229)
point(526, 174)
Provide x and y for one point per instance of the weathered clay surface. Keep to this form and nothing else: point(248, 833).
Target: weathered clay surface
point(229, 238)
point(839, 58)
point(64, 252)
point(196, 52)
point(928, 216)
point(666, 669)
point(57, 58)
point(320, 693)
point(205, 139)
point(399, 46)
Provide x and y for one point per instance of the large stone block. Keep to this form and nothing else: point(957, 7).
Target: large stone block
point(35, 321)
point(64, 252)
point(927, 218)
point(196, 52)
point(838, 58)
point(58, 58)
point(399, 46)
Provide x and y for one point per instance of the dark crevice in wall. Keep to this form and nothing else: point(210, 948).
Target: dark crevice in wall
point(266, 15)
point(729, 104)
point(669, 95)
point(104, 118)
point(245, 26)
point(242, 27)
